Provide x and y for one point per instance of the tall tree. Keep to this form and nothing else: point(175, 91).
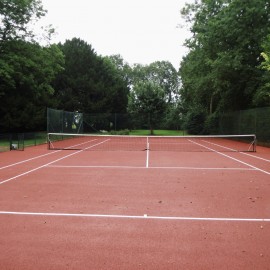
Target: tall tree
point(122, 67)
point(89, 83)
point(161, 81)
point(147, 101)
point(161, 73)
point(164, 74)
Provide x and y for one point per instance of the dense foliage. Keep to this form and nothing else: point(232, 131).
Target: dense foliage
point(26, 68)
point(69, 76)
point(227, 69)
point(15, 18)
point(154, 95)
point(26, 73)
point(88, 82)
point(222, 71)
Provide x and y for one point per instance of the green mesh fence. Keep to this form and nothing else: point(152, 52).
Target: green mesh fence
point(59, 121)
point(253, 121)
point(114, 122)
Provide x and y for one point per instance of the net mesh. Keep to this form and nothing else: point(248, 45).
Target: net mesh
point(220, 143)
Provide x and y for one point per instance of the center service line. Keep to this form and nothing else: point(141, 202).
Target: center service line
point(147, 153)
point(147, 158)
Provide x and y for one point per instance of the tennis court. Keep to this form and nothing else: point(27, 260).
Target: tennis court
point(111, 202)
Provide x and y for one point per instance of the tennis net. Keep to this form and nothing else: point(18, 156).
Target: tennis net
point(219, 143)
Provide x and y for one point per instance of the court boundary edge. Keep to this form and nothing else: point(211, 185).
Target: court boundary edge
point(145, 216)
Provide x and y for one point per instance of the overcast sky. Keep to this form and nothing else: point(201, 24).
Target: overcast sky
point(141, 31)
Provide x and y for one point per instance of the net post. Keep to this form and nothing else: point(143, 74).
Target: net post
point(48, 141)
point(254, 143)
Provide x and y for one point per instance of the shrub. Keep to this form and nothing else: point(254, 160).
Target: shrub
point(195, 121)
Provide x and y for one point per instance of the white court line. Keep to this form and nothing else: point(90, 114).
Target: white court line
point(49, 163)
point(147, 152)
point(147, 158)
point(221, 146)
point(71, 147)
point(145, 216)
point(26, 160)
point(142, 167)
point(264, 159)
point(238, 160)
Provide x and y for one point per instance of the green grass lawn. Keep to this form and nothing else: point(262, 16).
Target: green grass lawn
point(4, 145)
point(158, 132)
point(33, 139)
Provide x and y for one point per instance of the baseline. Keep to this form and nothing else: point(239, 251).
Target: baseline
point(145, 216)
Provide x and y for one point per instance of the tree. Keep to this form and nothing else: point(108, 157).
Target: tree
point(161, 76)
point(262, 95)
point(27, 71)
point(26, 68)
point(122, 68)
point(221, 73)
point(147, 101)
point(89, 83)
point(165, 75)
point(161, 73)
point(15, 17)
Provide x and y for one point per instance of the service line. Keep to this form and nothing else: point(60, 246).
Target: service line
point(147, 167)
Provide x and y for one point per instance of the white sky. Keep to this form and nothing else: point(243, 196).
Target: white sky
point(141, 31)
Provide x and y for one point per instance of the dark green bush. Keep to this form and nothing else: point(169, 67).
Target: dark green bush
point(195, 121)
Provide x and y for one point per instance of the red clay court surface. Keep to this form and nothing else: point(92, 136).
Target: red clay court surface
point(134, 210)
